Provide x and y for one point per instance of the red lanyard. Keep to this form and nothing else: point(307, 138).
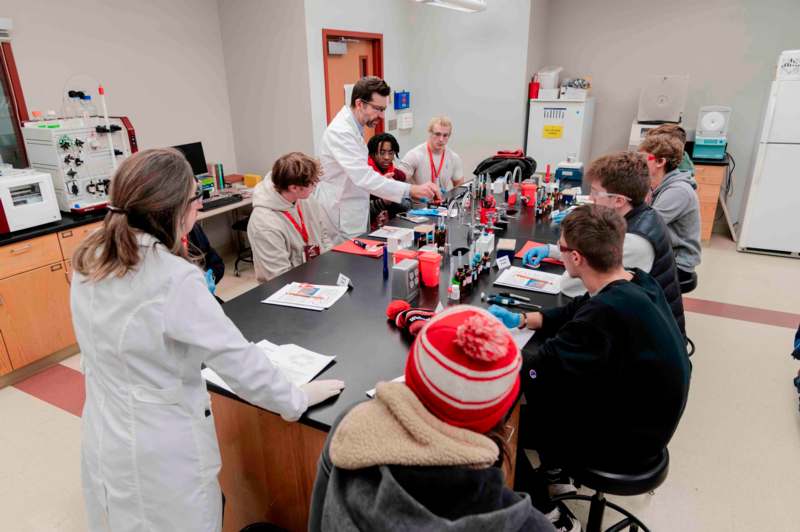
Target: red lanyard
point(300, 228)
point(434, 172)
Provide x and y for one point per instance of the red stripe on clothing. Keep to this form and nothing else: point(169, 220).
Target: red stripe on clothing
point(743, 313)
point(59, 385)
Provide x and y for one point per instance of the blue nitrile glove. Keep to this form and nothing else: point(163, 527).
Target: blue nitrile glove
point(424, 212)
point(558, 217)
point(509, 319)
point(535, 255)
point(210, 282)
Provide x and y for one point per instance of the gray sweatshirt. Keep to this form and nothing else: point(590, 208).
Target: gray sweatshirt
point(277, 246)
point(676, 201)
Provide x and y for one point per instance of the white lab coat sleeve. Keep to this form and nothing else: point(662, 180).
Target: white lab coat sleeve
point(554, 252)
point(353, 160)
point(193, 317)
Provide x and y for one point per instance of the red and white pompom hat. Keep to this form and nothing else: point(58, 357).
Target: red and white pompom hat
point(464, 367)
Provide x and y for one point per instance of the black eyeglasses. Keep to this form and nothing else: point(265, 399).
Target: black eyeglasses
point(376, 107)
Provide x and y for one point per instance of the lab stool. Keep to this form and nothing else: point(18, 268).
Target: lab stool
point(625, 482)
point(689, 284)
point(245, 253)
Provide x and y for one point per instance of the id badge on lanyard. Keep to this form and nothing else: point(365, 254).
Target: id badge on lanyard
point(311, 251)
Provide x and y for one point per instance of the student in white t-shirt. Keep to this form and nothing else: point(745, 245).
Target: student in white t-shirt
point(431, 161)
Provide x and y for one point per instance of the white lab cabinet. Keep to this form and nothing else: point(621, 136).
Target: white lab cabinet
point(558, 128)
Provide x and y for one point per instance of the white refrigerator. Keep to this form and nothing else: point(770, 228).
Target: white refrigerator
point(557, 129)
point(771, 221)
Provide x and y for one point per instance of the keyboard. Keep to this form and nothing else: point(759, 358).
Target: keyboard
point(220, 201)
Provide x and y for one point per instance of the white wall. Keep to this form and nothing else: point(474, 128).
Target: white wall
point(472, 67)
point(469, 66)
point(537, 36)
point(160, 62)
point(728, 47)
point(387, 17)
point(266, 61)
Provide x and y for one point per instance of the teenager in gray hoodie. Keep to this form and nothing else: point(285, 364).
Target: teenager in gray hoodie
point(285, 228)
point(675, 199)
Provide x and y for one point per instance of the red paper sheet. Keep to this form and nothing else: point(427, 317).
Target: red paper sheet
point(530, 244)
point(349, 247)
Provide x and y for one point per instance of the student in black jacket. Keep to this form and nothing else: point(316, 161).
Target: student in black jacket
point(609, 384)
point(212, 264)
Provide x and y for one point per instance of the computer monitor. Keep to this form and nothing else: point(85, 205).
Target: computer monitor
point(194, 154)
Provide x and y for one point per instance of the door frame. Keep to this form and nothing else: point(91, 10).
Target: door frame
point(377, 62)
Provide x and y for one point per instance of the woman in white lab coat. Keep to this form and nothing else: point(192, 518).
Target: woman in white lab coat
point(145, 321)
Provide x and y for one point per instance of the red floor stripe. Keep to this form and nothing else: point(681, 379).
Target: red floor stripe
point(59, 385)
point(740, 312)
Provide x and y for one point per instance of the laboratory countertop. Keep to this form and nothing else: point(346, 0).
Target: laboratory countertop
point(368, 348)
point(68, 221)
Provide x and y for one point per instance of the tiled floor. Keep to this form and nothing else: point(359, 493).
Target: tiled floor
point(735, 460)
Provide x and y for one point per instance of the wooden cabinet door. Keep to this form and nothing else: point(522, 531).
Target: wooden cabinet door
point(70, 239)
point(34, 314)
point(5, 363)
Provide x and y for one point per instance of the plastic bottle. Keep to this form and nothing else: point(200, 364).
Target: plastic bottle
point(89, 106)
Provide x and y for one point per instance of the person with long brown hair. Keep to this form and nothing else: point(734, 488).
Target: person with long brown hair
point(145, 321)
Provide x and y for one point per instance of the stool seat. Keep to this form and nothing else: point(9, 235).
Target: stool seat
point(689, 284)
point(626, 481)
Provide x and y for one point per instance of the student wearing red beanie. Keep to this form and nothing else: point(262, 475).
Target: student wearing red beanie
point(427, 454)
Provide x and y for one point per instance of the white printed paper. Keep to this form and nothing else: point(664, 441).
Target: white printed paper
point(307, 296)
point(344, 280)
point(522, 336)
point(388, 231)
point(525, 279)
point(503, 262)
point(299, 365)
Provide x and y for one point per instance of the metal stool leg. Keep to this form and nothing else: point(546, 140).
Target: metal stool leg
point(596, 510)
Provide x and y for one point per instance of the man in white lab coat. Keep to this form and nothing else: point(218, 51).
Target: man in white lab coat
point(347, 179)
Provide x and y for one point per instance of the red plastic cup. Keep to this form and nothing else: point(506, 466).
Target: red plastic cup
point(529, 191)
point(403, 253)
point(485, 214)
point(429, 265)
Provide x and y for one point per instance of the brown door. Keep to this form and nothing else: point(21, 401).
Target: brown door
point(363, 58)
